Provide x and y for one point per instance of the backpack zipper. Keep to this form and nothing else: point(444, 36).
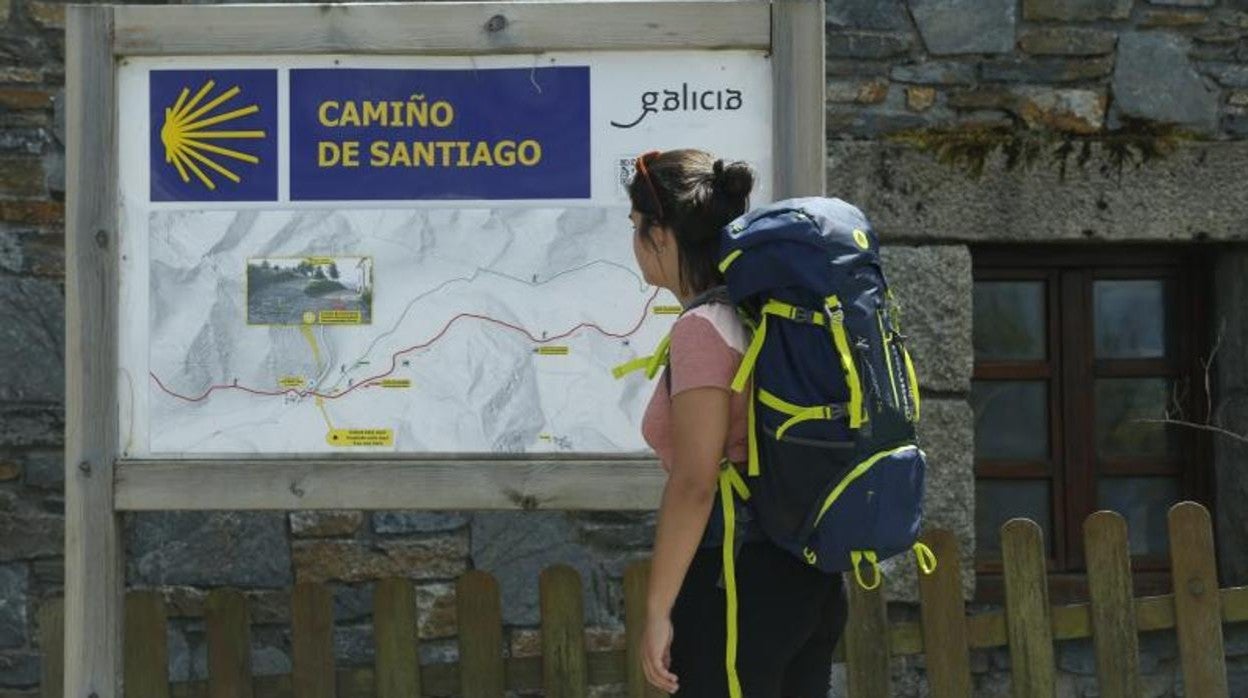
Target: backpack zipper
point(906, 405)
point(858, 471)
point(861, 347)
point(886, 338)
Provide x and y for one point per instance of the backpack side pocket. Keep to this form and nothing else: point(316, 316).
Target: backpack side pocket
point(877, 506)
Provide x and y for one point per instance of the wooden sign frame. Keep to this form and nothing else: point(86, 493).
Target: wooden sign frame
point(99, 485)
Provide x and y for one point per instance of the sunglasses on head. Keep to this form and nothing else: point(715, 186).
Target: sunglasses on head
point(654, 193)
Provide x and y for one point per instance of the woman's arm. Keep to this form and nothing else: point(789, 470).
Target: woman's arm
point(699, 430)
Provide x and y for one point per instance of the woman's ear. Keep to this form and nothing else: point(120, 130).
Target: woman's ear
point(662, 236)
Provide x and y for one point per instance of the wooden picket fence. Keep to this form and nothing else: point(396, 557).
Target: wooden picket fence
point(1028, 626)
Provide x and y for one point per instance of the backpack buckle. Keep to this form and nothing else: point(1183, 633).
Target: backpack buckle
point(803, 315)
point(835, 411)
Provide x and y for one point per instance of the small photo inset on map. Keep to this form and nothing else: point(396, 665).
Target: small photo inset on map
point(310, 291)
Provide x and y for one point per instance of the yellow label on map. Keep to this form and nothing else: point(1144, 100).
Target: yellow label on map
point(396, 382)
point(290, 382)
point(667, 310)
point(553, 351)
point(320, 260)
point(340, 317)
point(361, 437)
point(545, 437)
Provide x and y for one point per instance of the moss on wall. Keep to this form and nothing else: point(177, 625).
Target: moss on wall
point(970, 148)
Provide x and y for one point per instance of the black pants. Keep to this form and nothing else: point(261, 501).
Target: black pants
point(789, 618)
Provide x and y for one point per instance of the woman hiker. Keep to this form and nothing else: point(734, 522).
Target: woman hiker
point(789, 615)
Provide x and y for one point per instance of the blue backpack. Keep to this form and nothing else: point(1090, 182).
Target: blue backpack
point(835, 473)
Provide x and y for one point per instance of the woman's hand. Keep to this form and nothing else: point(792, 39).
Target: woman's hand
point(656, 654)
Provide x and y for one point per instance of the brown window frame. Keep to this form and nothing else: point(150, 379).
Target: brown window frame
point(1070, 366)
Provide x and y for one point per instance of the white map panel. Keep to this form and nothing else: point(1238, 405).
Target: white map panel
point(444, 326)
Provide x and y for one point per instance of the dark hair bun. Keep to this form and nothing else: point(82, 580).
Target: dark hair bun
point(733, 180)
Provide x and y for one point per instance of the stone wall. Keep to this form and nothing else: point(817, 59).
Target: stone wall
point(265, 553)
point(32, 329)
point(952, 122)
point(1086, 67)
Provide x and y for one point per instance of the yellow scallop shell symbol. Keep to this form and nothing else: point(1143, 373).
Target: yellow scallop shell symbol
point(860, 237)
point(185, 138)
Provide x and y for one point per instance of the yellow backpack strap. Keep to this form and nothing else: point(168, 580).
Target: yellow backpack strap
point(751, 356)
point(806, 414)
point(856, 556)
point(726, 488)
point(629, 366)
point(651, 363)
point(729, 472)
point(841, 339)
point(793, 312)
point(738, 384)
point(925, 557)
point(751, 438)
point(777, 403)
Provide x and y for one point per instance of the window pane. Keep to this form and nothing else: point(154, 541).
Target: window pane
point(1144, 503)
point(1132, 319)
point(1011, 419)
point(998, 501)
point(1009, 321)
point(1120, 404)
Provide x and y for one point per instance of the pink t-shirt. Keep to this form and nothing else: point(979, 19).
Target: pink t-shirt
point(707, 344)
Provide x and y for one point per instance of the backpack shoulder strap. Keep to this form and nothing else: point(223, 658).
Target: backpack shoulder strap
point(658, 359)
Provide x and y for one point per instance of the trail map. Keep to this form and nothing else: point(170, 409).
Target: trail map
point(420, 330)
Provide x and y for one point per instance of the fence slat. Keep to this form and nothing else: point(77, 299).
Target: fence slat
point(564, 672)
point(1113, 608)
point(1197, 603)
point(146, 646)
point(480, 618)
point(312, 640)
point(948, 658)
point(229, 644)
point(866, 641)
point(1027, 610)
point(52, 645)
point(395, 631)
point(636, 581)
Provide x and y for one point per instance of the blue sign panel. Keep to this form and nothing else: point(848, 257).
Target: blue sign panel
point(515, 133)
point(214, 135)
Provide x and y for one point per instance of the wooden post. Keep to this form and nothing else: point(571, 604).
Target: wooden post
point(52, 643)
point(147, 646)
point(480, 619)
point(564, 667)
point(229, 644)
point(799, 141)
point(94, 576)
point(866, 641)
point(636, 582)
point(1197, 603)
point(312, 637)
point(1113, 610)
point(944, 619)
point(1027, 609)
point(395, 629)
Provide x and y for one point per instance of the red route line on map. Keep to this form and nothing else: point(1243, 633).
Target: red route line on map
point(394, 358)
